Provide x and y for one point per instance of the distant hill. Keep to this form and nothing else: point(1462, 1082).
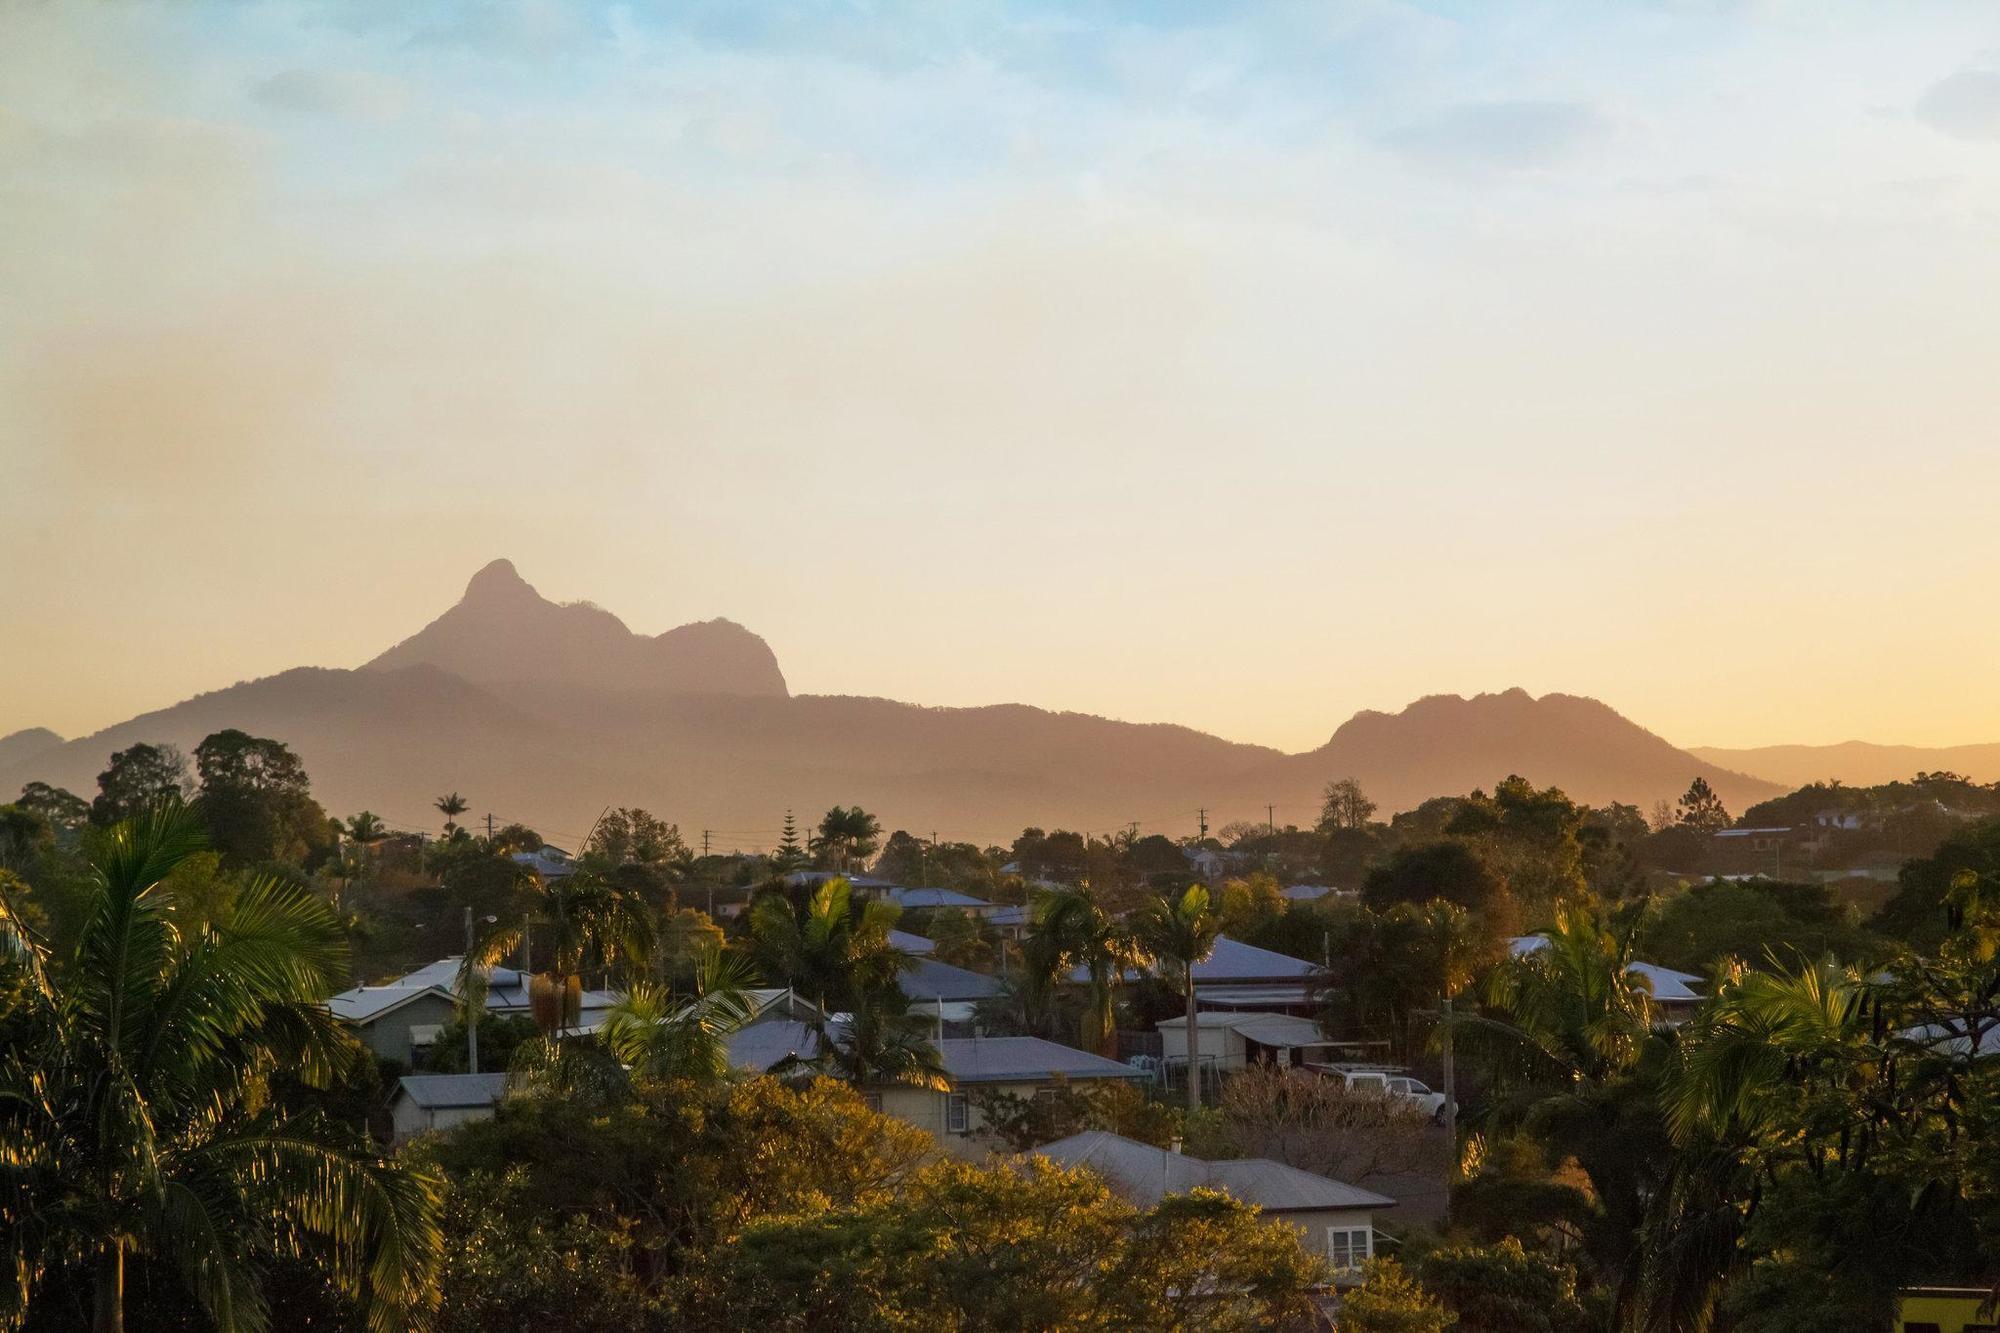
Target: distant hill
point(23, 746)
point(547, 714)
point(1446, 744)
point(1857, 763)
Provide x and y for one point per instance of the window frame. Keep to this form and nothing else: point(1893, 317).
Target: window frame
point(1347, 1233)
point(957, 1113)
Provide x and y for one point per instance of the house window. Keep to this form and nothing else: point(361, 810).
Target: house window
point(957, 1114)
point(873, 1101)
point(1046, 1096)
point(1347, 1248)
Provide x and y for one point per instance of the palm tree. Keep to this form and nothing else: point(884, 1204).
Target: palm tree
point(832, 948)
point(1574, 1007)
point(660, 1035)
point(1084, 935)
point(880, 1043)
point(135, 1109)
point(451, 807)
point(1181, 932)
point(582, 918)
point(846, 836)
point(366, 828)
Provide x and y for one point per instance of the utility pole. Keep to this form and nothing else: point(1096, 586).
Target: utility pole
point(1450, 1092)
point(489, 838)
point(1270, 819)
point(471, 1018)
point(1201, 820)
point(704, 841)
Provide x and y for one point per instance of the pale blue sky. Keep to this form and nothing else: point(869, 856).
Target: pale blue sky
point(1240, 365)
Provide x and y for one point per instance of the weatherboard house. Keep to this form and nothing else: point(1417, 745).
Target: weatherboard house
point(1236, 975)
point(1334, 1219)
point(402, 1019)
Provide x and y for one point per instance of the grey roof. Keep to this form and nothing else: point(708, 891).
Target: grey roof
point(1144, 1175)
point(1306, 893)
point(762, 1045)
point(548, 862)
point(811, 879)
point(931, 980)
point(909, 898)
point(1023, 1060)
point(506, 992)
point(1951, 1038)
point(1009, 914)
point(437, 1092)
point(1268, 1029)
point(908, 943)
point(365, 1004)
point(1667, 984)
point(1234, 962)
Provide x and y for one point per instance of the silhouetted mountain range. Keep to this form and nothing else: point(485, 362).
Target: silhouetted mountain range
point(546, 714)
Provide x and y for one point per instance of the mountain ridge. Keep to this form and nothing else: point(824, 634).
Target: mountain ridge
point(547, 714)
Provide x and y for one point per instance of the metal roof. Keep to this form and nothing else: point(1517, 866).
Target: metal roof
point(1144, 1175)
point(762, 1045)
point(1666, 983)
point(365, 1004)
point(506, 992)
point(1234, 962)
point(1023, 1060)
point(437, 1092)
point(908, 898)
point(908, 943)
point(1267, 1029)
point(931, 980)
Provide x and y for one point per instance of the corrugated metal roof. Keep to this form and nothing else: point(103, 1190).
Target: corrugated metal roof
point(931, 980)
point(908, 943)
point(436, 1092)
point(1667, 984)
point(365, 1004)
point(1233, 963)
point(1023, 1060)
point(1144, 1175)
point(910, 898)
point(762, 1045)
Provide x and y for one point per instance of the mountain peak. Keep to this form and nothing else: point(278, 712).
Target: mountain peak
point(497, 581)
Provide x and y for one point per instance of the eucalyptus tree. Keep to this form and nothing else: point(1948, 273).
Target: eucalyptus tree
point(137, 1109)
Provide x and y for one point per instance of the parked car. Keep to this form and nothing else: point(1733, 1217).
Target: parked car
point(1393, 1083)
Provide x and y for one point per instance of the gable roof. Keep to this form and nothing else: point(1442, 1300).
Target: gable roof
point(1144, 1175)
point(931, 980)
point(438, 1092)
point(909, 898)
point(762, 1045)
point(1667, 984)
point(1022, 1060)
point(1267, 1029)
point(908, 943)
point(1234, 963)
point(365, 1004)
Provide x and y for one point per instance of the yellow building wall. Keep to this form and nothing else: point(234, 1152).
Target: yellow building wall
point(1944, 1309)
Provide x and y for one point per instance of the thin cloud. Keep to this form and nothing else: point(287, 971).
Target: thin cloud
point(1965, 105)
point(1503, 136)
point(350, 94)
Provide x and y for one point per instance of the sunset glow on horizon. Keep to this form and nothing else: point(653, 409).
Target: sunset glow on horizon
point(1238, 366)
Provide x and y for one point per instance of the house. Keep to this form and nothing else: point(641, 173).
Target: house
point(1312, 893)
point(1229, 1039)
point(403, 1017)
point(1945, 1310)
point(951, 992)
point(426, 1102)
point(1236, 975)
point(1674, 993)
point(1022, 1066)
point(546, 863)
point(1206, 862)
point(908, 943)
point(396, 1021)
point(1334, 1219)
point(911, 900)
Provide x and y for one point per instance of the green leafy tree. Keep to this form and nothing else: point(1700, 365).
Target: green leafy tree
point(1450, 870)
point(658, 1034)
point(1391, 1301)
point(258, 804)
point(63, 809)
point(1180, 933)
point(134, 1102)
point(1504, 1289)
point(138, 779)
point(635, 837)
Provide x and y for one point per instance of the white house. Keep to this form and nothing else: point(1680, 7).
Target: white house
point(1334, 1219)
point(1229, 1039)
point(403, 1017)
point(1674, 993)
point(425, 1102)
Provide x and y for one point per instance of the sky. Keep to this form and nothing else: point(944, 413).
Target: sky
point(1232, 364)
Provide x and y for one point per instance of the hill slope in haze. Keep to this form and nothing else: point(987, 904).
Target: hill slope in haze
point(1857, 763)
point(22, 746)
point(546, 714)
